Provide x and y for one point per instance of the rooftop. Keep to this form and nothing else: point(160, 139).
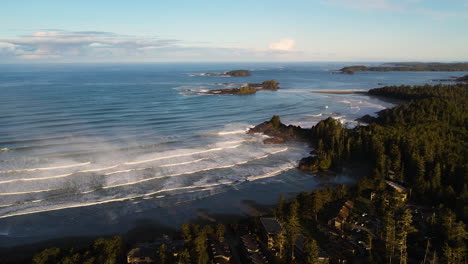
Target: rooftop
point(271, 225)
point(397, 187)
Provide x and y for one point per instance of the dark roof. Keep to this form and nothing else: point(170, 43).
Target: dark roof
point(221, 261)
point(399, 188)
point(258, 258)
point(220, 249)
point(271, 225)
point(249, 243)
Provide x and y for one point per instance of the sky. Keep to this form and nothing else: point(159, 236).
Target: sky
point(34, 31)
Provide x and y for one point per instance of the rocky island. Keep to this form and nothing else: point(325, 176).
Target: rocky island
point(409, 66)
point(251, 88)
point(234, 73)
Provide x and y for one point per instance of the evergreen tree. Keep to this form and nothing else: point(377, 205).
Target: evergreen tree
point(404, 228)
point(279, 211)
point(220, 229)
point(312, 251)
point(184, 257)
point(280, 242)
point(163, 254)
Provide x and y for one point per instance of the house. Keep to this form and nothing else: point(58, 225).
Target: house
point(339, 221)
point(220, 251)
point(300, 252)
point(250, 245)
point(141, 255)
point(258, 258)
point(399, 189)
point(270, 227)
point(252, 250)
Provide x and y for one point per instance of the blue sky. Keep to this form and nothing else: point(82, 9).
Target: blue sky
point(260, 30)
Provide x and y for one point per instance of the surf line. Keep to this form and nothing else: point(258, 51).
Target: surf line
point(181, 155)
point(271, 174)
point(26, 192)
point(69, 174)
point(160, 166)
point(127, 163)
point(48, 168)
point(108, 201)
point(165, 176)
point(184, 173)
point(147, 194)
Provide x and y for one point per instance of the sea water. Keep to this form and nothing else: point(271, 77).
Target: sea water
point(94, 149)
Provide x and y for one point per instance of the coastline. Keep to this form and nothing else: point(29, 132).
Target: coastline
point(339, 92)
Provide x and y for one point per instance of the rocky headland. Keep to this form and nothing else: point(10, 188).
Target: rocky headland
point(280, 133)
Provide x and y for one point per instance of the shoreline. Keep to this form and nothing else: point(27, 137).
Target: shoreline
point(339, 92)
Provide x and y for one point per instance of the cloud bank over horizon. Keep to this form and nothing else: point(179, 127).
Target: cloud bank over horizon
point(273, 30)
point(62, 45)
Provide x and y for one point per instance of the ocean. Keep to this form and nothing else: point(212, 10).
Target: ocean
point(94, 149)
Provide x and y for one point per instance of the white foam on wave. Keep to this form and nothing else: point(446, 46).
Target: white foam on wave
point(98, 169)
point(27, 192)
point(271, 174)
point(186, 173)
point(37, 178)
point(231, 132)
point(47, 168)
point(109, 200)
point(181, 155)
point(126, 163)
point(154, 167)
point(159, 177)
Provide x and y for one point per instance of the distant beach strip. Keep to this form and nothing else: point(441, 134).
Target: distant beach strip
point(340, 91)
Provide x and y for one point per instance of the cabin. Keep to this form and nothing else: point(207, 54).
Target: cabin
point(253, 254)
point(399, 189)
point(258, 258)
point(339, 221)
point(270, 227)
point(249, 244)
point(220, 251)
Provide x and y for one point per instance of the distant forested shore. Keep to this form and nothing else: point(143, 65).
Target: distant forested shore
point(409, 66)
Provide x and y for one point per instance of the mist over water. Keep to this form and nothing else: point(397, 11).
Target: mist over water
point(91, 149)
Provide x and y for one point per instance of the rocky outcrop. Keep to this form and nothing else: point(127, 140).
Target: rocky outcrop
point(251, 88)
point(235, 73)
point(279, 132)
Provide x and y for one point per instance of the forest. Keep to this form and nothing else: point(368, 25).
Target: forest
point(420, 144)
point(409, 67)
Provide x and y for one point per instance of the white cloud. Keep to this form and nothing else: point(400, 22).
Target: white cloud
point(91, 46)
point(97, 44)
point(60, 43)
point(284, 44)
